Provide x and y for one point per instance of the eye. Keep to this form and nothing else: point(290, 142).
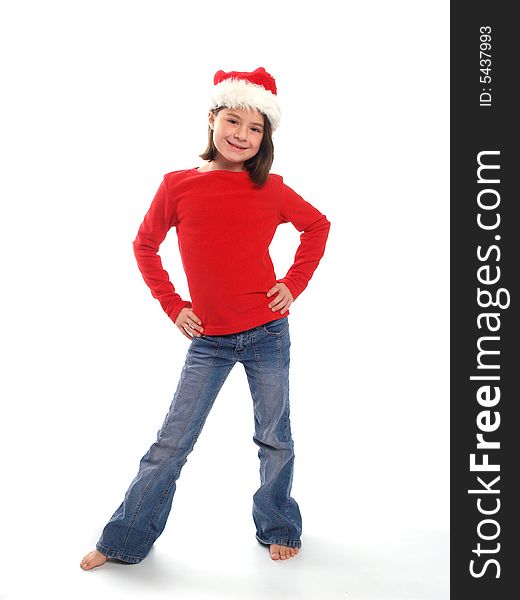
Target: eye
point(256, 129)
point(232, 120)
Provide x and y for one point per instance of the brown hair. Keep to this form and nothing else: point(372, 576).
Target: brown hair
point(259, 165)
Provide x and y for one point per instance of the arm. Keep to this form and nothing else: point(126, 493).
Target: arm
point(159, 219)
point(315, 227)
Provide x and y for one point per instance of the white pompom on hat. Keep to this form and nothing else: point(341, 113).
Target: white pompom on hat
point(255, 89)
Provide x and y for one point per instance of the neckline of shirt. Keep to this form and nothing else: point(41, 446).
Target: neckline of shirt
point(196, 169)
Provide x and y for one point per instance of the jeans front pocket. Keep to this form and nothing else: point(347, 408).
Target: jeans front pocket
point(276, 327)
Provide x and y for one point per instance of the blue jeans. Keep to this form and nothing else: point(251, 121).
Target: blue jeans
point(264, 352)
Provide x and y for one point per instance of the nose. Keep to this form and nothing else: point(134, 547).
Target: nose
point(241, 132)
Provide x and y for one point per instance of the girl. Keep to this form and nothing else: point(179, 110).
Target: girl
point(225, 212)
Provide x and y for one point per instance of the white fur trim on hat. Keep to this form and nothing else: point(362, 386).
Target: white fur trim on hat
point(240, 93)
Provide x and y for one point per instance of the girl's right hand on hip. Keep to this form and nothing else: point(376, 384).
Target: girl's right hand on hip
point(188, 323)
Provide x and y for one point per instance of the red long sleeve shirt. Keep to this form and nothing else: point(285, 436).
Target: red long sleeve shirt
point(224, 227)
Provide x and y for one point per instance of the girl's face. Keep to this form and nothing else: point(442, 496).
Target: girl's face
point(237, 135)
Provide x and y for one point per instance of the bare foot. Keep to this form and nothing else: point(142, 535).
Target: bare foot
point(282, 552)
point(93, 559)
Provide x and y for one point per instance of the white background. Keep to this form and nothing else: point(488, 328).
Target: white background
point(99, 100)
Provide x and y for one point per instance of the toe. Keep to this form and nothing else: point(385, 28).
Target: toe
point(92, 559)
point(84, 560)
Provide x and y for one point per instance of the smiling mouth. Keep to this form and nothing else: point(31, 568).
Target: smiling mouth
point(233, 146)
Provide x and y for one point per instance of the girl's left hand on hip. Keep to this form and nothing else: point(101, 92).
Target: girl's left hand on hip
point(283, 300)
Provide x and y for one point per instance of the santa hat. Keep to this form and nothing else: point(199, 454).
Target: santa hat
point(256, 89)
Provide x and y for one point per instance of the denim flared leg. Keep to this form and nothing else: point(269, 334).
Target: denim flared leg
point(264, 351)
point(275, 513)
point(141, 517)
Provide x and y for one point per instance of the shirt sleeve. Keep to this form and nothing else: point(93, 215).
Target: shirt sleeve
point(159, 219)
point(315, 227)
